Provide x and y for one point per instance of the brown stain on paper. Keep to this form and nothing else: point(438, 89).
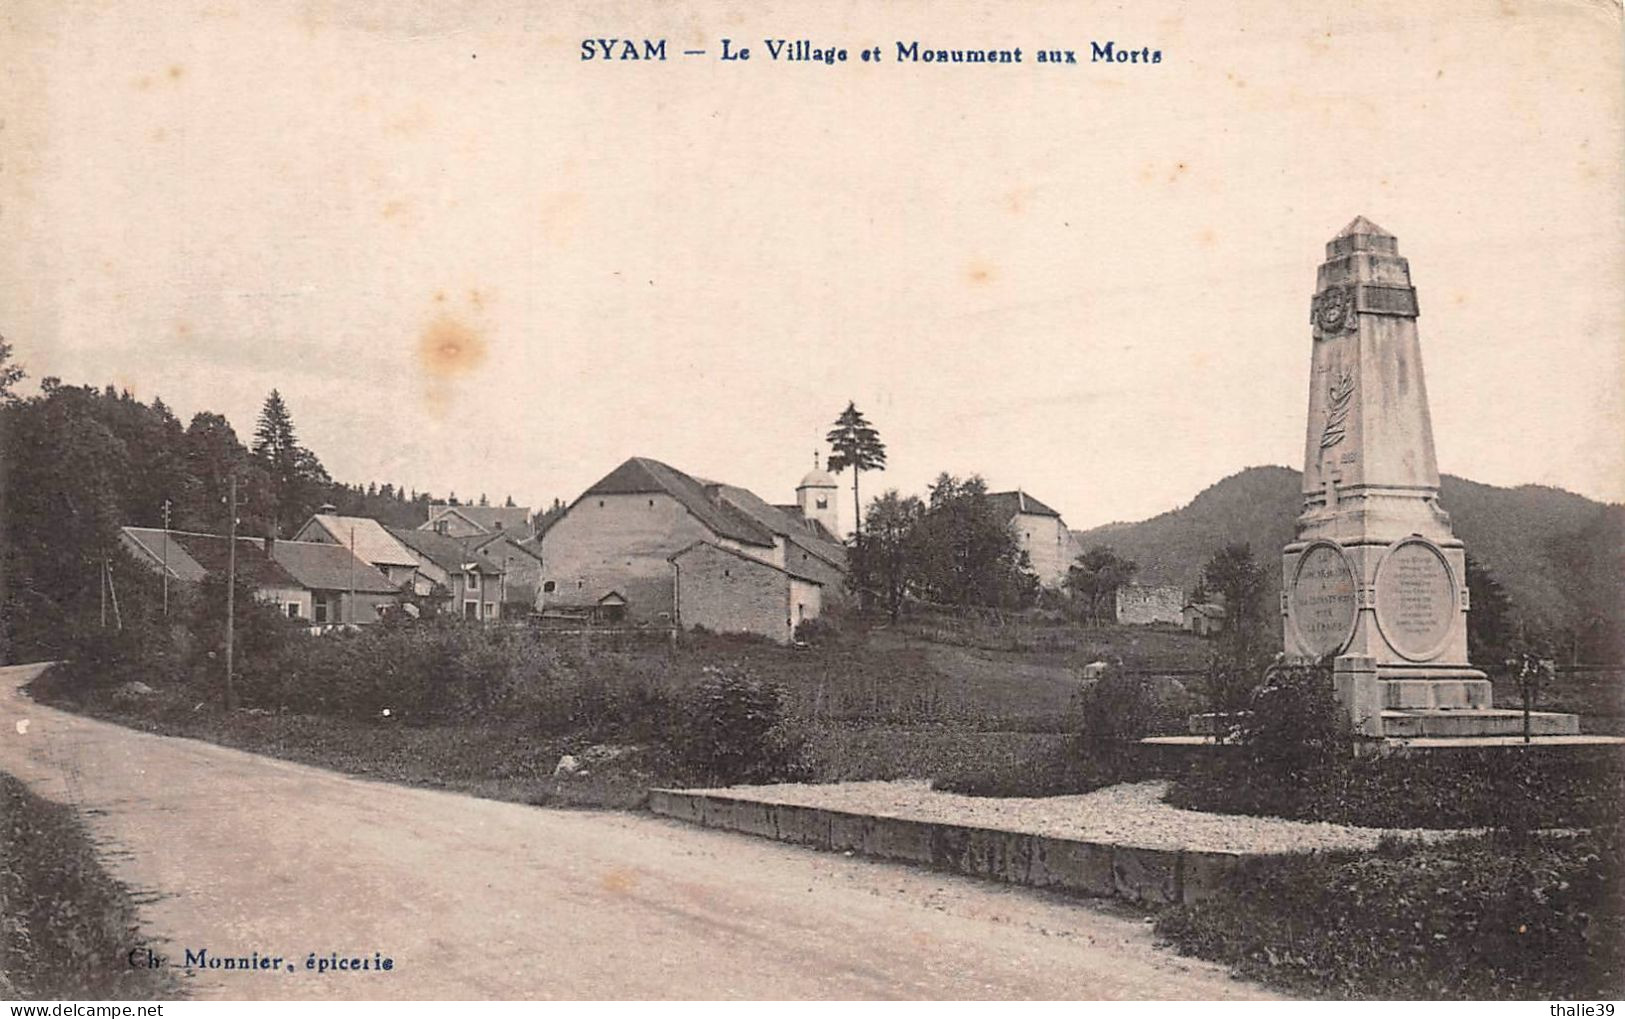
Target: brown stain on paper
point(449, 347)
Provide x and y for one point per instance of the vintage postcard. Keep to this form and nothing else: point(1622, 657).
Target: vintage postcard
point(514, 499)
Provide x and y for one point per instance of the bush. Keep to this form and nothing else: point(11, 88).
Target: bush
point(1513, 789)
point(1113, 710)
point(1293, 726)
point(1467, 918)
point(735, 731)
point(816, 631)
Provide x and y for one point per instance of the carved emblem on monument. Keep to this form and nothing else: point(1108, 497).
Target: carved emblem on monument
point(1337, 407)
point(1333, 311)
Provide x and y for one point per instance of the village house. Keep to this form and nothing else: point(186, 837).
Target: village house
point(469, 582)
point(367, 538)
point(318, 582)
point(503, 534)
point(617, 551)
point(466, 521)
point(1041, 533)
point(1147, 605)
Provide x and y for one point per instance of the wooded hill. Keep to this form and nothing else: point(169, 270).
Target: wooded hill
point(1559, 556)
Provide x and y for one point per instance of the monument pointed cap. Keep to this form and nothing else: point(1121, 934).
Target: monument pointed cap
point(1362, 235)
point(1361, 225)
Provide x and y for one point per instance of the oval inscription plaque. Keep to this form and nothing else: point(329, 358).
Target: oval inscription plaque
point(1322, 604)
point(1416, 599)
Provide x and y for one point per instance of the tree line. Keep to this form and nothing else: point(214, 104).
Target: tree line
point(78, 462)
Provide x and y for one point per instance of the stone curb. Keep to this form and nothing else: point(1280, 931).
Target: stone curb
point(1131, 873)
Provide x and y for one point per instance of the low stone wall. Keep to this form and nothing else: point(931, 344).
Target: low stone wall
point(1081, 868)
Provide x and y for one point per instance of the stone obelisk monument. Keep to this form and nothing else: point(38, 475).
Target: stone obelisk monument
point(1376, 577)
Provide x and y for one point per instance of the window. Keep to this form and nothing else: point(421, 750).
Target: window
point(293, 610)
point(440, 526)
point(471, 610)
point(727, 573)
point(471, 581)
point(490, 610)
point(600, 504)
point(651, 502)
point(548, 587)
point(321, 609)
point(823, 502)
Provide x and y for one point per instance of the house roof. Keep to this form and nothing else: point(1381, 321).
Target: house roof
point(372, 542)
point(484, 543)
point(323, 567)
point(311, 565)
point(747, 557)
point(793, 526)
point(448, 553)
point(491, 518)
point(817, 529)
point(1008, 504)
point(641, 475)
point(147, 544)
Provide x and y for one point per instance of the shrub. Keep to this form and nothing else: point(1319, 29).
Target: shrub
point(1293, 725)
point(735, 730)
point(1113, 710)
point(1479, 917)
point(816, 631)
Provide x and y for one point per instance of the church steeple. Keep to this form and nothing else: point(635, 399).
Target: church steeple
point(816, 497)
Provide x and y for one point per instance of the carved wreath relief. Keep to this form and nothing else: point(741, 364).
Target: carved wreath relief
point(1333, 311)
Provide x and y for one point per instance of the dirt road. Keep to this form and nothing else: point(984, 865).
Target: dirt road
point(473, 898)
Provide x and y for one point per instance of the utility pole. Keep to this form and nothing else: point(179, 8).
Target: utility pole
point(231, 593)
point(103, 566)
point(167, 505)
point(112, 589)
point(352, 575)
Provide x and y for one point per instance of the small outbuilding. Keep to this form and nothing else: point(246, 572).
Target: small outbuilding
point(1204, 618)
point(731, 592)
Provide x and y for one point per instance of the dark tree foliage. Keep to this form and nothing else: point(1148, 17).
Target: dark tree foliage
point(885, 554)
point(1490, 620)
point(966, 553)
point(1093, 580)
point(298, 482)
point(78, 462)
point(857, 445)
point(1235, 576)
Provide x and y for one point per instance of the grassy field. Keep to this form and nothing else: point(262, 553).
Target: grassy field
point(66, 927)
point(886, 703)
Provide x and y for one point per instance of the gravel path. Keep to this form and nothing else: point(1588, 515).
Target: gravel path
point(1131, 814)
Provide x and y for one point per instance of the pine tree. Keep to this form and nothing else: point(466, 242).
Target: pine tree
point(857, 445)
point(297, 478)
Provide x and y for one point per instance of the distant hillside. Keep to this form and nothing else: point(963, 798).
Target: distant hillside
point(1560, 556)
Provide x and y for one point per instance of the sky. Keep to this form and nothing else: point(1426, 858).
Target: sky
point(473, 262)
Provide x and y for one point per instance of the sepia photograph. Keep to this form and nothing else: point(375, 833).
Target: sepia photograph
point(515, 500)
